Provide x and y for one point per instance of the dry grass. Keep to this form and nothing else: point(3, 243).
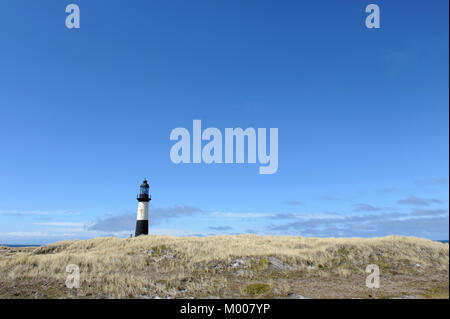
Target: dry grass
point(227, 266)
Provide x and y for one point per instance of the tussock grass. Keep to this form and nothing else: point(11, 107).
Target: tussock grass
point(223, 266)
point(257, 289)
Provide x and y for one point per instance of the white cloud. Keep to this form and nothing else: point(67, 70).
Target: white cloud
point(63, 224)
point(241, 215)
point(37, 213)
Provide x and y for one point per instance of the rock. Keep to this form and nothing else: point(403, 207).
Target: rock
point(407, 297)
point(278, 265)
point(310, 265)
point(297, 296)
point(240, 273)
point(238, 263)
point(418, 266)
point(218, 267)
point(157, 297)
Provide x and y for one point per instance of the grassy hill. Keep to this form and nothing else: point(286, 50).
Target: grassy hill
point(244, 266)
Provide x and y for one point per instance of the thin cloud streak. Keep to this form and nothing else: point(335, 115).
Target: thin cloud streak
point(365, 208)
point(128, 221)
point(418, 223)
point(417, 201)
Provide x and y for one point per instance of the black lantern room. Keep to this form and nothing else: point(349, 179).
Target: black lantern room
point(144, 194)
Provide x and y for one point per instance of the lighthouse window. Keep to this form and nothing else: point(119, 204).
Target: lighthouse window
point(144, 190)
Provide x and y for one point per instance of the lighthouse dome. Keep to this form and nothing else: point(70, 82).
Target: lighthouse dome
point(144, 194)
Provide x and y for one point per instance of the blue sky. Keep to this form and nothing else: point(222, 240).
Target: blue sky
point(86, 114)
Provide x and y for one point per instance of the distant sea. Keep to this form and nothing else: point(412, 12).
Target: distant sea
point(6, 245)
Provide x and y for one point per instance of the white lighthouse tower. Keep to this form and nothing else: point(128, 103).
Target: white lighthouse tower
point(142, 214)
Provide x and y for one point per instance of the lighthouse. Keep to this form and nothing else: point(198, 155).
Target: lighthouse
point(142, 214)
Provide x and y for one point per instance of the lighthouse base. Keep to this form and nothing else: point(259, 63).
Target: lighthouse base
point(141, 227)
